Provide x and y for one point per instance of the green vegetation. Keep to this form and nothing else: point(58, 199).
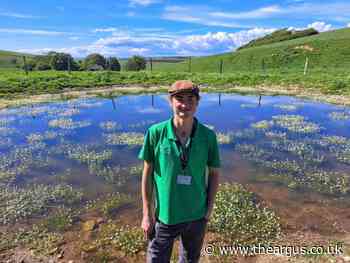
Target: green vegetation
point(240, 219)
point(279, 36)
point(279, 63)
point(327, 52)
point(136, 63)
point(17, 203)
point(12, 60)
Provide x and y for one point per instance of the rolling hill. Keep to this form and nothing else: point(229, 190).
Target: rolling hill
point(9, 59)
point(326, 52)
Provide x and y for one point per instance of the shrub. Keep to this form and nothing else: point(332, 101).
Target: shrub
point(136, 63)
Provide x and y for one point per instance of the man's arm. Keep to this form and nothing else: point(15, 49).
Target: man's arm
point(148, 218)
point(213, 184)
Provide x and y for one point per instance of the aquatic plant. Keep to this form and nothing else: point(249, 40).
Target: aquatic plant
point(141, 124)
point(109, 125)
point(68, 123)
point(124, 138)
point(6, 121)
point(245, 134)
point(60, 220)
point(127, 239)
point(263, 125)
point(112, 174)
point(289, 166)
point(247, 105)
point(275, 134)
point(295, 123)
point(20, 159)
point(224, 138)
point(113, 202)
point(339, 115)
point(19, 203)
point(328, 182)
point(288, 107)
point(69, 112)
point(252, 152)
point(39, 240)
point(83, 154)
point(335, 140)
point(241, 219)
point(136, 170)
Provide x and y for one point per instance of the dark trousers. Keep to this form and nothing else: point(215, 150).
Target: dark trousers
point(191, 241)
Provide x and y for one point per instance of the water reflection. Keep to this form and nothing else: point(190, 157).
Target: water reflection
point(280, 142)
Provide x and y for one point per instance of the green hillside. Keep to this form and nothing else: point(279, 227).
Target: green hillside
point(279, 36)
point(327, 52)
point(9, 59)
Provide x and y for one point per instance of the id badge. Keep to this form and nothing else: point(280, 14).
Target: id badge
point(184, 179)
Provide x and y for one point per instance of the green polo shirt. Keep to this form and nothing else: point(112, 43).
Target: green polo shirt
point(177, 203)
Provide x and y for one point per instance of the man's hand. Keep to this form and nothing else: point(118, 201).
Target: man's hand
point(213, 184)
point(208, 214)
point(148, 225)
point(148, 219)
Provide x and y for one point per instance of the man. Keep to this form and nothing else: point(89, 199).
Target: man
point(177, 154)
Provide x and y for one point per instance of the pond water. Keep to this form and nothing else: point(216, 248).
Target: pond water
point(291, 152)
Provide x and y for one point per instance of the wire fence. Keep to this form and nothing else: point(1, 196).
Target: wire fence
point(264, 65)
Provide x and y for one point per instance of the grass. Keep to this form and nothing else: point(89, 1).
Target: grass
point(327, 52)
point(9, 59)
point(280, 64)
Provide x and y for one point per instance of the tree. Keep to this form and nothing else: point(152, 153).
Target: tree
point(113, 64)
point(136, 63)
point(94, 59)
point(62, 61)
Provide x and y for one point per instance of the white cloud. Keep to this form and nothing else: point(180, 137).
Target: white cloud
point(133, 3)
point(201, 16)
point(320, 26)
point(108, 29)
point(348, 25)
point(31, 32)
point(163, 45)
point(332, 11)
point(130, 14)
point(254, 14)
point(18, 15)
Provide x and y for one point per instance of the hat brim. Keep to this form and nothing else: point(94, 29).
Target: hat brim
point(193, 90)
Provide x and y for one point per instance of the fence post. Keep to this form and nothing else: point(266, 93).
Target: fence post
point(151, 62)
point(189, 64)
point(306, 65)
point(25, 65)
point(221, 65)
point(69, 66)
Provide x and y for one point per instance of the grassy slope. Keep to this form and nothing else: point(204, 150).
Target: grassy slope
point(9, 59)
point(331, 52)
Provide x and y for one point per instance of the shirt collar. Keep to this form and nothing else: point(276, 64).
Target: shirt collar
point(171, 133)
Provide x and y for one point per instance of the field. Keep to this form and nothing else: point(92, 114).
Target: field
point(279, 64)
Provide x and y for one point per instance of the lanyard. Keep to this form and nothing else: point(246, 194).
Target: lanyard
point(184, 152)
point(186, 149)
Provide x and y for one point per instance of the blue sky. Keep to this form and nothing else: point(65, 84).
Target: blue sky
point(156, 27)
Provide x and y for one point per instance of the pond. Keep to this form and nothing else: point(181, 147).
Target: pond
point(293, 153)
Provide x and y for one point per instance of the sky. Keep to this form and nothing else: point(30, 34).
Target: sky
point(123, 28)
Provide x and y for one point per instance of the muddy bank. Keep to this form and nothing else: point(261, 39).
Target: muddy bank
point(115, 90)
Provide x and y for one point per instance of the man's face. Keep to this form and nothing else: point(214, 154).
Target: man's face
point(184, 105)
